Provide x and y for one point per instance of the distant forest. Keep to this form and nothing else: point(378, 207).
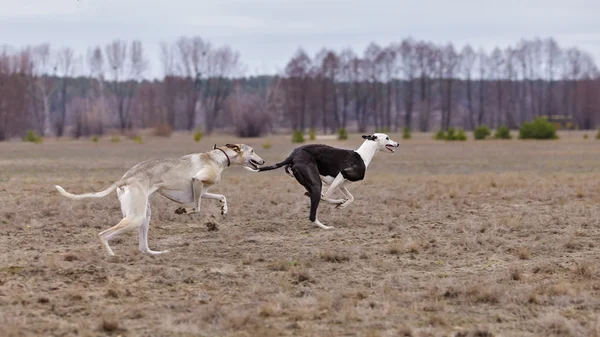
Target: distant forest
point(414, 84)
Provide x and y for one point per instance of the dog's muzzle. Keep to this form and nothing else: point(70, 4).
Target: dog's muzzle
point(254, 164)
point(391, 147)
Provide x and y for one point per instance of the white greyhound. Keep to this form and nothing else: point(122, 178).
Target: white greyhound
point(183, 180)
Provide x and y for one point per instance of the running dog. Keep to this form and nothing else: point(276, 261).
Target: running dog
point(183, 180)
point(316, 163)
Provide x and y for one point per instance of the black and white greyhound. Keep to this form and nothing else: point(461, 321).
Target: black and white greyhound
point(316, 163)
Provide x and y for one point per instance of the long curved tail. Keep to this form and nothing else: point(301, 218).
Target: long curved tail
point(101, 194)
point(287, 161)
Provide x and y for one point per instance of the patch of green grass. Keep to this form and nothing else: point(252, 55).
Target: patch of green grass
point(198, 135)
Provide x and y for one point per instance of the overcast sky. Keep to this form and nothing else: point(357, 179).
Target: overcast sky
point(268, 32)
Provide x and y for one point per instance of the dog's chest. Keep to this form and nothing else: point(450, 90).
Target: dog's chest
point(354, 168)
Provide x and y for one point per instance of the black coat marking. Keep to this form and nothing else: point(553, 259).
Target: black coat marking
point(309, 161)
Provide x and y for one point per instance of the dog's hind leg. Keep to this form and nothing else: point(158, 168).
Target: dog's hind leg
point(133, 205)
point(144, 235)
point(219, 197)
point(308, 176)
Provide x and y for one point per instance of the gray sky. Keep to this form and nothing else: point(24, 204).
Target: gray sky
point(268, 32)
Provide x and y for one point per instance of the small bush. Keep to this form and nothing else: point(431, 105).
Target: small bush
point(503, 132)
point(267, 144)
point(598, 134)
point(461, 135)
point(585, 136)
point(440, 135)
point(115, 139)
point(342, 134)
point(450, 134)
point(406, 133)
point(198, 135)
point(481, 132)
point(33, 137)
point(540, 128)
point(95, 139)
point(312, 134)
point(298, 136)
point(163, 130)
point(137, 139)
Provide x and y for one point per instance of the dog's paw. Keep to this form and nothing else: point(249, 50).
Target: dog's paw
point(224, 210)
point(180, 210)
point(342, 205)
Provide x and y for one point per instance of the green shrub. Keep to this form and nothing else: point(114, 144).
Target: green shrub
point(450, 134)
point(198, 135)
point(540, 128)
point(33, 137)
point(115, 139)
point(137, 139)
point(585, 136)
point(598, 134)
point(267, 144)
point(461, 135)
point(342, 134)
point(503, 132)
point(312, 134)
point(440, 135)
point(95, 139)
point(298, 136)
point(406, 133)
point(481, 132)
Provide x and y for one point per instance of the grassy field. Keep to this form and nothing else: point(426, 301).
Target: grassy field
point(487, 238)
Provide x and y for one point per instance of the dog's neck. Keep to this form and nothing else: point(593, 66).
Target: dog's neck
point(367, 151)
point(223, 158)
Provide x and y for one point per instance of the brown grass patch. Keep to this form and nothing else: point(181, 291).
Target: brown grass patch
point(499, 255)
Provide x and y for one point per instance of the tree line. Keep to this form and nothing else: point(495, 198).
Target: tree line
point(411, 84)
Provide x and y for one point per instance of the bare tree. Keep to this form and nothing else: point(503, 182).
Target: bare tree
point(298, 73)
point(96, 116)
point(426, 59)
point(222, 64)
point(552, 56)
point(193, 57)
point(482, 65)
point(409, 65)
point(170, 83)
point(126, 70)
point(347, 79)
point(66, 67)
point(467, 65)
point(43, 69)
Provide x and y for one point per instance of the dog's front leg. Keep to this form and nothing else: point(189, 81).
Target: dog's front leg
point(349, 197)
point(334, 185)
point(197, 191)
point(219, 197)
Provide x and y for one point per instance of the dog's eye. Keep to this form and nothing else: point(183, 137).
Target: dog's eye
point(387, 138)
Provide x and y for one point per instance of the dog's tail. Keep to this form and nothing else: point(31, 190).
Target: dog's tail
point(287, 161)
point(100, 194)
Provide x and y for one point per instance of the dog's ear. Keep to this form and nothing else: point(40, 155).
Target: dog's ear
point(234, 147)
point(369, 137)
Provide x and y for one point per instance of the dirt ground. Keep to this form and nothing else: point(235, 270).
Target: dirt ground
point(490, 238)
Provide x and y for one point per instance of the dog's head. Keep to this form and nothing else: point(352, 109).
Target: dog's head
point(244, 155)
point(384, 143)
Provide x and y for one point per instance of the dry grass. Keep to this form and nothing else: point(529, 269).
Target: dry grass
point(443, 239)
